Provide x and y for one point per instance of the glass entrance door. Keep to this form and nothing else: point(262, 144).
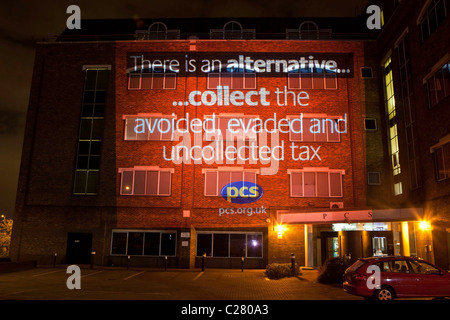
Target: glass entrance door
point(379, 245)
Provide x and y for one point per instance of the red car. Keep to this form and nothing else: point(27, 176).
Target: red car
point(400, 277)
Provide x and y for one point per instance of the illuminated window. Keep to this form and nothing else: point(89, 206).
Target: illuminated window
point(438, 85)
point(216, 179)
point(309, 183)
point(231, 127)
point(433, 16)
point(304, 79)
point(442, 161)
point(155, 76)
point(398, 188)
point(315, 128)
point(392, 119)
point(232, 79)
point(148, 127)
point(144, 243)
point(146, 181)
point(91, 131)
point(230, 245)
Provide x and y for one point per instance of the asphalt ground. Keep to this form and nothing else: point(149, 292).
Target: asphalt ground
point(187, 294)
point(149, 284)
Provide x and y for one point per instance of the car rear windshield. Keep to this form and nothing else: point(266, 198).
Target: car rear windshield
point(357, 265)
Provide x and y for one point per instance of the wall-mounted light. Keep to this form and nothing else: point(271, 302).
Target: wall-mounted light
point(424, 225)
point(280, 229)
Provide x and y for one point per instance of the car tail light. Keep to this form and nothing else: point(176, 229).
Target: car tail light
point(359, 277)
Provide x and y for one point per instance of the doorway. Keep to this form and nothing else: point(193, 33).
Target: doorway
point(329, 245)
point(79, 246)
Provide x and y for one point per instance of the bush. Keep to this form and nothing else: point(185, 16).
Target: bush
point(333, 270)
point(281, 270)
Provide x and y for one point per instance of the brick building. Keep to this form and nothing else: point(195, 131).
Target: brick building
point(174, 139)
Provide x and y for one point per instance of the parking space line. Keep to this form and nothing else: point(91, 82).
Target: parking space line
point(133, 275)
point(43, 274)
point(90, 274)
point(198, 276)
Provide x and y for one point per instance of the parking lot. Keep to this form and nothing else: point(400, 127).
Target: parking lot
point(149, 284)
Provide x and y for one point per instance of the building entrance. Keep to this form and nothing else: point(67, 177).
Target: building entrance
point(79, 246)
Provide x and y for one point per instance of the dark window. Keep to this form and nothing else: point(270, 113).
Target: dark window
point(135, 243)
point(254, 245)
point(438, 86)
point(442, 162)
point(366, 73)
point(151, 244)
point(140, 243)
point(370, 124)
point(91, 132)
point(435, 13)
point(220, 245)
point(204, 244)
point(373, 178)
point(119, 243)
point(237, 245)
point(234, 245)
point(168, 244)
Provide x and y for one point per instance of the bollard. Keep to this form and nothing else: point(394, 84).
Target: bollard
point(92, 259)
point(165, 263)
point(128, 262)
point(54, 260)
point(203, 261)
point(242, 264)
point(293, 263)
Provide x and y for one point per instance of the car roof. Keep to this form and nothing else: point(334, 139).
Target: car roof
point(383, 258)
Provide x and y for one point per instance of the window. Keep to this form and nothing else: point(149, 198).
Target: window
point(146, 181)
point(215, 180)
point(143, 243)
point(304, 79)
point(392, 122)
point(149, 128)
point(408, 111)
point(422, 267)
point(157, 31)
point(230, 127)
point(311, 128)
point(232, 79)
point(397, 266)
point(373, 178)
point(370, 124)
point(306, 183)
point(398, 190)
point(433, 15)
point(151, 76)
point(308, 30)
point(438, 85)
point(442, 161)
point(232, 30)
point(91, 131)
point(230, 244)
point(366, 73)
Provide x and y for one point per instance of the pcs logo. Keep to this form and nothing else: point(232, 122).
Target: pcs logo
point(242, 192)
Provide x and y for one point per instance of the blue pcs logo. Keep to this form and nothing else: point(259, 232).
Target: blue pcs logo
point(241, 192)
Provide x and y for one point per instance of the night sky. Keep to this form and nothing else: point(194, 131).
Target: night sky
point(25, 22)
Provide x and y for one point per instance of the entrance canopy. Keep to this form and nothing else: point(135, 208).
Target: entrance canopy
point(349, 216)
